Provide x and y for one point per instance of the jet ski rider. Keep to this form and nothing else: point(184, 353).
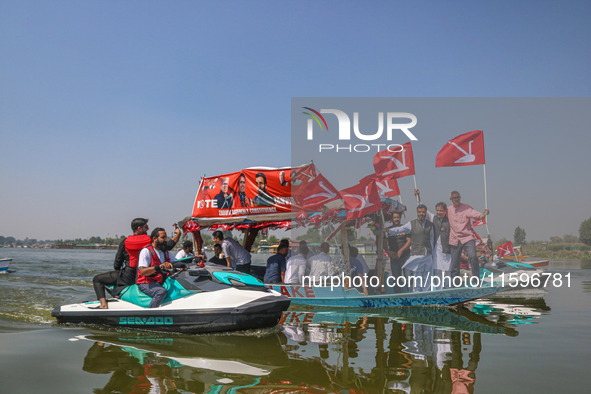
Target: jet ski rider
point(126, 259)
point(153, 261)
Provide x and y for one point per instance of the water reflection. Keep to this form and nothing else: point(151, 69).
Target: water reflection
point(406, 350)
point(510, 311)
point(143, 362)
point(398, 350)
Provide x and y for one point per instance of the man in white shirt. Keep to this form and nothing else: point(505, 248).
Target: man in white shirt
point(297, 265)
point(186, 251)
point(320, 264)
point(153, 260)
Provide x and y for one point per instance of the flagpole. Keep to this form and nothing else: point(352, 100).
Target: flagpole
point(485, 194)
point(485, 197)
point(415, 179)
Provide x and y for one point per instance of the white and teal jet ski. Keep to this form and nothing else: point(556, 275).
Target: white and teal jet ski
point(209, 299)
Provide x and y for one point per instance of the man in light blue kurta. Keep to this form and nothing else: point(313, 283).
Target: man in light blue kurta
point(420, 261)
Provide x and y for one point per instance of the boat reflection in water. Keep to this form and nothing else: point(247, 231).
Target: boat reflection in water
point(143, 362)
point(510, 311)
point(393, 350)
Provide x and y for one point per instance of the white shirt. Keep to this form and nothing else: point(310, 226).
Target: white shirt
point(145, 260)
point(182, 254)
point(320, 265)
point(295, 268)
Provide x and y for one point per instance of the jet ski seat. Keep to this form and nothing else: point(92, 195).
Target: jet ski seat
point(135, 296)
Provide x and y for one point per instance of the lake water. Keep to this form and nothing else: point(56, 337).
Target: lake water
point(539, 344)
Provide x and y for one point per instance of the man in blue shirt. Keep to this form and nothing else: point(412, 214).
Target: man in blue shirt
point(275, 272)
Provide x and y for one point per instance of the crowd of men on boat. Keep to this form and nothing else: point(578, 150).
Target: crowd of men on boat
point(429, 246)
point(432, 244)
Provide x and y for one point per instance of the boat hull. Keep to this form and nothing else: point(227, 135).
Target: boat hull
point(4, 264)
point(340, 297)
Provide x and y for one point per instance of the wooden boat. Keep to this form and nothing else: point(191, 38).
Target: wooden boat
point(339, 297)
point(4, 264)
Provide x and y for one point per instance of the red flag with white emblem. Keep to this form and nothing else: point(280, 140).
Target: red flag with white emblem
point(505, 249)
point(464, 150)
point(317, 193)
point(361, 199)
point(480, 222)
point(387, 186)
point(396, 164)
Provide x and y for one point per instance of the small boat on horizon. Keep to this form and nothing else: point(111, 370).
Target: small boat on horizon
point(4, 264)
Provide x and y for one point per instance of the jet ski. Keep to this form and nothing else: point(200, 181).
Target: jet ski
point(204, 299)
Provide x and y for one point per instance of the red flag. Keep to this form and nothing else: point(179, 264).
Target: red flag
point(505, 249)
point(301, 217)
point(479, 240)
point(464, 150)
point(315, 219)
point(477, 223)
point(396, 164)
point(191, 227)
point(387, 186)
point(361, 200)
point(317, 193)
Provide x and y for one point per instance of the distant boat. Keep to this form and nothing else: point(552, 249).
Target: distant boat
point(4, 264)
point(540, 264)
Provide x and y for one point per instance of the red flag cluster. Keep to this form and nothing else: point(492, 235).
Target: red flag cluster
point(303, 189)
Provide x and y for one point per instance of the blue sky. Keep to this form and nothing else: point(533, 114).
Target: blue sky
point(113, 110)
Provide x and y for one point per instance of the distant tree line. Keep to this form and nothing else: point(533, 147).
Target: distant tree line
point(91, 240)
point(32, 242)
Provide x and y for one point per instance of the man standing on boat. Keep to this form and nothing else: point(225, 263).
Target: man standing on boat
point(461, 235)
point(421, 259)
point(237, 257)
point(275, 272)
point(153, 260)
point(398, 249)
point(441, 232)
point(321, 265)
point(126, 260)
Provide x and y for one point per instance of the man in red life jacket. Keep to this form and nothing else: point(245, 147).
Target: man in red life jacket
point(153, 260)
point(126, 260)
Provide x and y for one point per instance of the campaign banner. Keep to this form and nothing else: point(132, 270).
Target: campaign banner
point(251, 191)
